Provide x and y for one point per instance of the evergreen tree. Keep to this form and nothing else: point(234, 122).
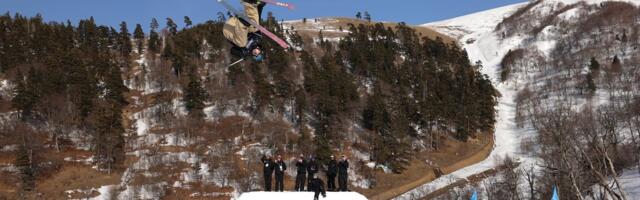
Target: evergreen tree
point(172, 26)
point(124, 41)
point(114, 86)
point(138, 34)
point(108, 139)
point(591, 85)
point(358, 15)
point(594, 66)
point(263, 90)
point(187, 21)
point(194, 96)
point(367, 16)
point(25, 167)
point(154, 24)
point(24, 99)
point(154, 37)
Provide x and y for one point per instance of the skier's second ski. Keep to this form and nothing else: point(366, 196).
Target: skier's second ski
point(263, 30)
point(281, 4)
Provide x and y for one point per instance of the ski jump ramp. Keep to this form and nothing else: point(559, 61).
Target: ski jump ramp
point(300, 196)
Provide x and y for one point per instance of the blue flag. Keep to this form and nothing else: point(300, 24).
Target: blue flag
point(555, 194)
point(474, 196)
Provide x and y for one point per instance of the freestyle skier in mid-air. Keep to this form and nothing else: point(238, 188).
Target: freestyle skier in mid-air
point(244, 37)
point(244, 32)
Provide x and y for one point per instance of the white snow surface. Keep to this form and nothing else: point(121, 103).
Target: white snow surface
point(299, 196)
point(482, 22)
point(630, 181)
point(105, 192)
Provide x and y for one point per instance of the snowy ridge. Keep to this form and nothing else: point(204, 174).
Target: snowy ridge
point(483, 22)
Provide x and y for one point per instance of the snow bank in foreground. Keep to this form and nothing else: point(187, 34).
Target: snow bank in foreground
point(300, 196)
point(630, 181)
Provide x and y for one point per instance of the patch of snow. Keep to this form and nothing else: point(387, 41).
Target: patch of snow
point(88, 160)
point(299, 196)
point(630, 181)
point(8, 148)
point(106, 192)
point(6, 89)
point(9, 168)
point(142, 127)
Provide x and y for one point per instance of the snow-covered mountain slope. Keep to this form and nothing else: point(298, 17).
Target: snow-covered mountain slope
point(489, 50)
point(480, 22)
point(480, 34)
point(300, 196)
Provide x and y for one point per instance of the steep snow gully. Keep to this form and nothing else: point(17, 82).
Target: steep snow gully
point(484, 46)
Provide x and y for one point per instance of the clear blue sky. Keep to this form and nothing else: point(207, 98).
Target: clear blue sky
point(112, 12)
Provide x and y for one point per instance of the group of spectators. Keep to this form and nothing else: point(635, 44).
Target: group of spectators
point(307, 174)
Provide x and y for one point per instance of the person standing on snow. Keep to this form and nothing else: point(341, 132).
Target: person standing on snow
point(267, 168)
point(332, 171)
point(312, 169)
point(343, 174)
point(317, 186)
point(244, 37)
point(301, 164)
point(280, 168)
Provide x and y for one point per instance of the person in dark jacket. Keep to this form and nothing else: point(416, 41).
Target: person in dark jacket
point(317, 186)
point(332, 171)
point(280, 168)
point(301, 164)
point(267, 168)
point(343, 166)
point(312, 169)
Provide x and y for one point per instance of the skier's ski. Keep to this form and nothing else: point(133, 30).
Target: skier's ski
point(263, 30)
point(282, 4)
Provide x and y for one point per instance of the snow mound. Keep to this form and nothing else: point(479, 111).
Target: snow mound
point(299, 196)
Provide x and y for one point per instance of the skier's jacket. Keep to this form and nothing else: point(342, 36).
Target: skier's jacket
point(236, 30)
point(317, 186)
point(280, 167)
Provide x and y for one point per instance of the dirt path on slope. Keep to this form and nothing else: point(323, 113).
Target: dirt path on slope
point(428, 176)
